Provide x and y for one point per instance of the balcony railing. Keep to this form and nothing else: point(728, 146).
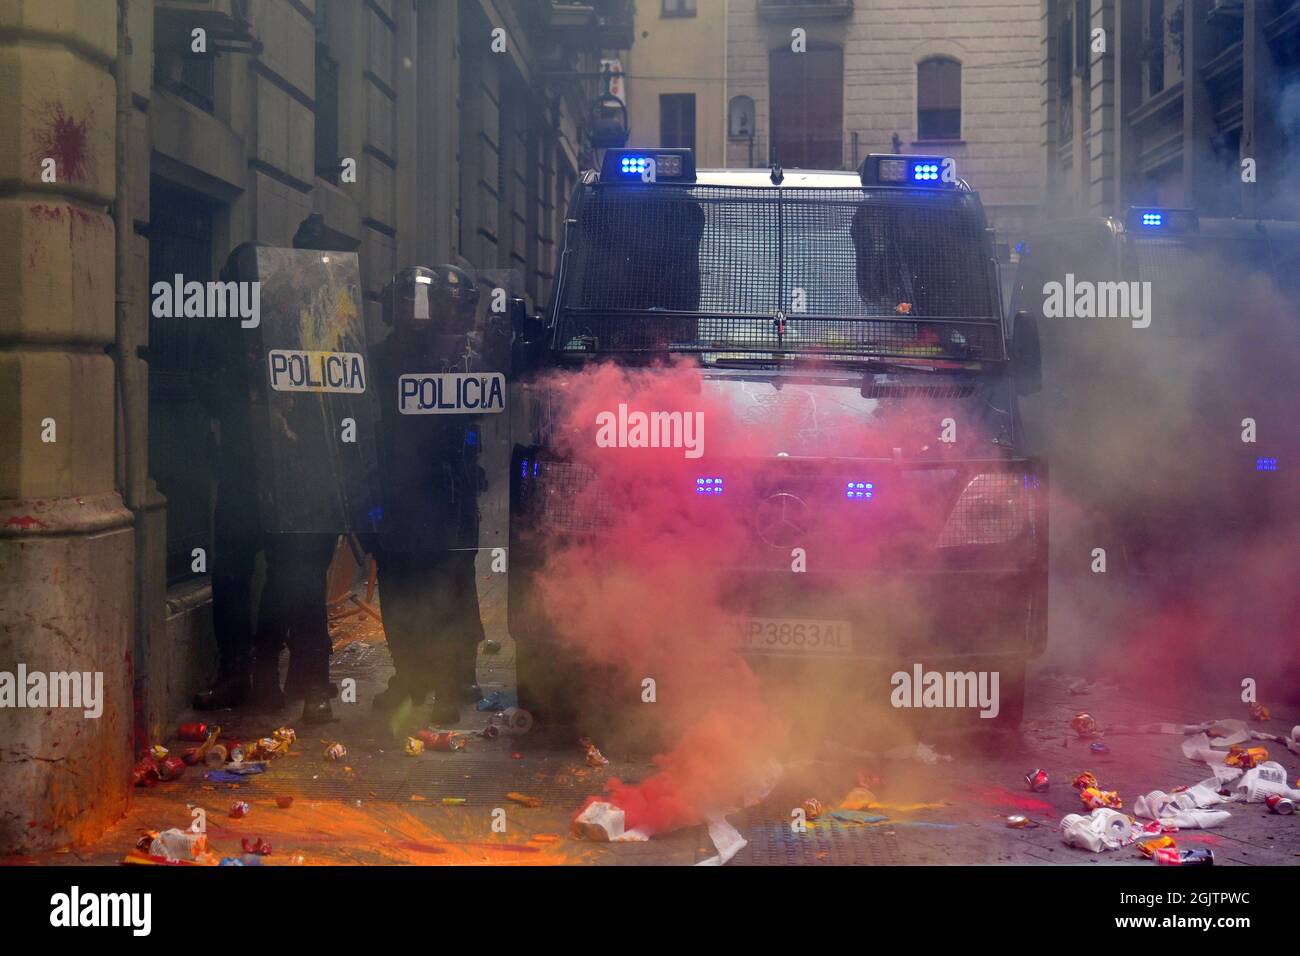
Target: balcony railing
point(597, 24)
point(804, 9)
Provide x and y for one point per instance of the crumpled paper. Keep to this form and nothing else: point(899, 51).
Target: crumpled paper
point(1184, 810)
point(602, 822)
point(1103, 829)
point(1291, 743)
point(1263, 781)
point(726, 840)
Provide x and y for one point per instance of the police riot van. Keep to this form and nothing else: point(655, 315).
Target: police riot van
point(862, 310)
point(1168, 347)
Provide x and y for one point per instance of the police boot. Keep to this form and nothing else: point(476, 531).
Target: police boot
point(266, 687)
point(397, 693)
point(316, 704)
point(295, 685)
point(230, 690)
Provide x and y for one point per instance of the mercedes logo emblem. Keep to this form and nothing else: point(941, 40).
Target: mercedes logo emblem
point(781, 519)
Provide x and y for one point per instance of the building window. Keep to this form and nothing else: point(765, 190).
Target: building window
point(806, 91)
point(327, 116)
point(191, 76)
point(677, 120)
point(678, 8)
point(938, 98)
point(1154, 46)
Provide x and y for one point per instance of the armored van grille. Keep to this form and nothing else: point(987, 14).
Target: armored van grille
point(892, 390)
point(721, 337)
point(564, 496)
point(832, 272)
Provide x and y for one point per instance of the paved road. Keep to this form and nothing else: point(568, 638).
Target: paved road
point(380, 806)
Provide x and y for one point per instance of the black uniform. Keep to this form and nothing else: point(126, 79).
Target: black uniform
point(292, 606)
point(292, 611)
point(431, 478)
point(221, 378)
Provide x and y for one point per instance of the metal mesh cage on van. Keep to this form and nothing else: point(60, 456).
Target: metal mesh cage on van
point(844, 272)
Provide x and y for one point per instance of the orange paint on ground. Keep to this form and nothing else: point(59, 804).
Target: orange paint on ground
point(334, 833)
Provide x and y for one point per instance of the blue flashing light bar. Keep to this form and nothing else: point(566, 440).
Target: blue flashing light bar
point(889, 169)
point(709, 485)
point(631, 165)
point(1146, 219)
point(925, 172)
point(1266, 464)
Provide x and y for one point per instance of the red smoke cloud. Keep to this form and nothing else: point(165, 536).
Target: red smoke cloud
point(644, 594)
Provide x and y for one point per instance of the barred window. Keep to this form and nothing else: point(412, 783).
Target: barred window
point(938, 98)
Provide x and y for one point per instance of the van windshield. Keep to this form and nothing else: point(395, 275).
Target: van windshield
point(757, 272)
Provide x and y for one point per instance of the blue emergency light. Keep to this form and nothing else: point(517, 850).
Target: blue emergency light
point(1145, 219)
point(637, 165)
point(1266, 464)
point(889, 169)
point(708, 485)
point(859, 490)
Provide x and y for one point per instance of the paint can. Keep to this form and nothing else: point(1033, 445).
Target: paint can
point(516, 720)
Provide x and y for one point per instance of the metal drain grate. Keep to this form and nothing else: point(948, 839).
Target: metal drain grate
point(363, 663)
point(830, 843)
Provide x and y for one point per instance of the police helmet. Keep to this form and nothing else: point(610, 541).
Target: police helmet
point(454, 295)
point(407, 297)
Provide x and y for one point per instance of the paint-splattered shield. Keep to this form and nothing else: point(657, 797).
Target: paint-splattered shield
point(314, 405)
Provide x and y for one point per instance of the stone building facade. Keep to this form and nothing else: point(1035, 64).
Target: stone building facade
point(675, 77)
point(152, 137)
point(956, 78)
point(1167, 108)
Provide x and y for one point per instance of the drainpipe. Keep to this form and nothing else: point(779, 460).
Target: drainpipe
point(132, 463)
point(726, 93)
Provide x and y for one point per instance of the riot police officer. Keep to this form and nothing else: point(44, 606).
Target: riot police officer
point(431, 479)
point(221, 379)
point(263, 503)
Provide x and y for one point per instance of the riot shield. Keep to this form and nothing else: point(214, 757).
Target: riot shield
point(443, 451)
point(498, 289)
point(314, 408)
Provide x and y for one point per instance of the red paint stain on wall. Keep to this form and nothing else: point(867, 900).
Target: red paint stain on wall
point(42, 211)
point(66, 140)
point(25, 523)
